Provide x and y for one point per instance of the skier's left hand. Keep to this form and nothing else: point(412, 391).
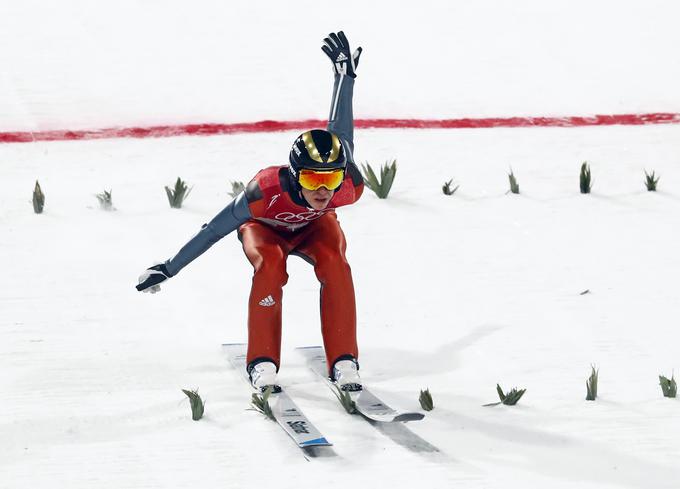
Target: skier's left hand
point(336, 47)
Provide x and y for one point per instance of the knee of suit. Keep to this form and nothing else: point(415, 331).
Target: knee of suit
point(268, 256)
point(330, 266)
point(273, 273)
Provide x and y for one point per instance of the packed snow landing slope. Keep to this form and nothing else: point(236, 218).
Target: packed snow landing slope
point(454, 293)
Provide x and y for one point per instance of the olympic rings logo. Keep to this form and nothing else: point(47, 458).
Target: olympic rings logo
point(291, 218)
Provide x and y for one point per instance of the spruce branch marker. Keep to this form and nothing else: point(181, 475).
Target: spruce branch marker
point(346, 400)
point(668, 386)
point(236, 188)
point(514, 186)
point(197, 404)
point(177, 195)
point(260, 403)
point(591, 384)
point(651, 181)
point(381, 186)
point(446, 188)
point(105, 201)
point(510, 398)
point(38, 199)
point(425, 400)
point(585, 180)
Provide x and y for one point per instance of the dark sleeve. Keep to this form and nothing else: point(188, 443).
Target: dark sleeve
point(341, 118)
point(229, 219)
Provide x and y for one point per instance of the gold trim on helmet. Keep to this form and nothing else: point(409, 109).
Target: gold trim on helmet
point(313, 151)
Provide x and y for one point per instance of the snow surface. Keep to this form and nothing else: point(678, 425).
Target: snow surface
point(454, 293)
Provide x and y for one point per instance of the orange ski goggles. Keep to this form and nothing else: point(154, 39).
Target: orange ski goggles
point(315, 179)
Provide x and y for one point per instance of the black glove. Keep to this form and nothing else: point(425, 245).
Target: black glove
point(149, 281)
point(336, 48)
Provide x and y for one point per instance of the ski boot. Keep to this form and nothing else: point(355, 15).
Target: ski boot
point(346, 375)
point(263, 375)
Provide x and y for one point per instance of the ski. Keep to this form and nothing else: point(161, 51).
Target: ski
point(367, 403)
point(288, 416)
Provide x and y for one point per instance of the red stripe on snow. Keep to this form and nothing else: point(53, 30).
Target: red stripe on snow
point(272, 126)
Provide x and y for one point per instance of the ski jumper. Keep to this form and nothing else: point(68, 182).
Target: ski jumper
point(274, 221)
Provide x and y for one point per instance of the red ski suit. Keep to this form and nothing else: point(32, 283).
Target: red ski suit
point(279, 227)
point(273, 221)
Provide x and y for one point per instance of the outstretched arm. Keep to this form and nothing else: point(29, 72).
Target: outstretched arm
point(229, 219)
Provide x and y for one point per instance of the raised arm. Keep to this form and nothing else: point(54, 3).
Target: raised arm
point(341, 118)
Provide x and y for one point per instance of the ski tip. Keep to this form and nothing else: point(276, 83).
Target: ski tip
point(405, 417)
point(317, 442)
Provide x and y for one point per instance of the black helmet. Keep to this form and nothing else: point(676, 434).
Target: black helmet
point(316, 150)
